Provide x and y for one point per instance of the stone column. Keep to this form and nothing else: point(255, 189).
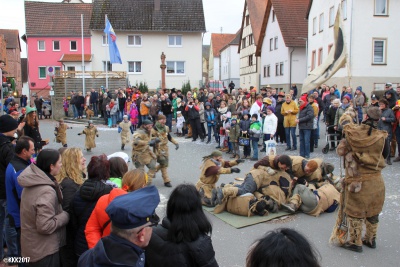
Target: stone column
point(163, 66)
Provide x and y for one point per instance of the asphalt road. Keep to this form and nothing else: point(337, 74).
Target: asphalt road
point(231, 244)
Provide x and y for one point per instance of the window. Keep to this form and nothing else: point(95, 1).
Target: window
point(313, 55)
point(314, 26)
point(271, 44)
point(281, 68)
point(276, 69)
point(73, 46)
point(56, 45)
point(175, 67)
point(331, 16)
point(268, 71)
point(344, 9)
point(134, 40)
point(329, 48)
point(381, 7)
point(320, 54)
point(109, 66)
point(57, 71)
point(41, 46)
point(104, 41)
point(273, 15)
point(379, 56)
point(251, 40)
point(135, 66)
point(247, 20)
point(175, 40)
point(265, 71)
point(42, 72)
point(72, 70)
point(250, 60)
point(276, 43)
point(243, 42)
point(321, 22)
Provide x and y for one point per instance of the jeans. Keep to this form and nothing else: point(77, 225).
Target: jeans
point(254, 144)
point(114, 119)
point(209, 128)
point(291, 131)
point(75, 110)
point(305, 142)
point(95, 110)
point(248, 185)
point(169, 121)
point(80, 111)
point(120, 115)
point(8, 232)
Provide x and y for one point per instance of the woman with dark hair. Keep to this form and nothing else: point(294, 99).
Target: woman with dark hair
point(183, 237)
point(31, 128)
point(282, 248)
point(118, 168)
point(86, 198)
point(43, 220)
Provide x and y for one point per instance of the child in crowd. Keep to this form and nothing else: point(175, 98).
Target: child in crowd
point(255, 132)
point(133, 112)
point(270, 125)
point(124, 127)
point(65, 106)
point(234, 133)
point(179, 123)
point(91, 133)
point(61, 132)
point(244, 128)
point(224, 135)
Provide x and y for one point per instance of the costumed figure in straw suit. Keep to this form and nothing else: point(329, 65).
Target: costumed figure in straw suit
point(61, 132)
point(125, 128)
point(364, 150)
point(213, 166)
point(91, 133)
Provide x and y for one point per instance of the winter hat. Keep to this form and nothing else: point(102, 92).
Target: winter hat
point(359, 88)
point(271, 108)
point(216, 153)
point(125, 116)
point(29, 110)
point(161, 117)
point(254, 116)
point(304, 98)
point(312, 165)
point(374, 113)
point(90, 122)
point(233, 119)
point(267, 100)
point(178, 112)
point(282, 94)
point(147, 122)
point(347, 97)
point(208, 104)
point(7, 124)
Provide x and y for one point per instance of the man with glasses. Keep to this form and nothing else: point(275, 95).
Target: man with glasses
point(131, 229)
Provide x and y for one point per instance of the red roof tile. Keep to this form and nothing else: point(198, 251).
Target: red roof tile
point(256, 13)
point(75, 58)
point(219, 40)
point(12, 38)
point(56, 19)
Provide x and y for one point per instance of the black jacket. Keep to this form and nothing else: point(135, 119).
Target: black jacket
point(163, 253)
point(278, 113)
point(166, 107)
point(79, 101)
point(33, 132)
point(193, 113)
point(6, 155)
point(94, 97)
point(330, 116)
point(82, 206)
point(306, 118)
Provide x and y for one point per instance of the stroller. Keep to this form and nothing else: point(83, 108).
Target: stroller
point(331, 138)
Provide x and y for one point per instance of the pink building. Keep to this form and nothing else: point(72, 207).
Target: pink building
point(54, 39)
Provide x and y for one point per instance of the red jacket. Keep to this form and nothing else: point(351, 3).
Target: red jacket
point(94, 227)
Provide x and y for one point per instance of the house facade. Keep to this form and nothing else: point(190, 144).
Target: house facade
point(253, 15)
point(229, 60)
point(13, 57)
point(158, 26)
point(218, 41)
point(283, 48)
point(206, 54)
point(54, 39)
point(372, 50)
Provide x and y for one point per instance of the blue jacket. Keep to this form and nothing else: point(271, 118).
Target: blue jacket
point(210, 116)
point(113, 250)
point(14, 190)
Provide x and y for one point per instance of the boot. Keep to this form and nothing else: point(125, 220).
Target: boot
point(355, 229)
point(370, 234)
point(388, 161)
point(293, 205)
point(122, 147)
point(259, 208)
point(164, 174)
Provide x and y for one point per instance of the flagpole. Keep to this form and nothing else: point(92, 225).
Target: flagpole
point(108, 53)
point(83, 59)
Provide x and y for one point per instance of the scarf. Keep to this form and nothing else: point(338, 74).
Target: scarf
point(111, 105)
point(303, 106)
point(223, 110)
point(344, 106)
point(159, 127)
point(259, 103)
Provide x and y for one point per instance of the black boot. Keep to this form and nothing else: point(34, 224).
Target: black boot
point(122, 147)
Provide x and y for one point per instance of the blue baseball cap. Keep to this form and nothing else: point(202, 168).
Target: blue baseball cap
point(134, 209)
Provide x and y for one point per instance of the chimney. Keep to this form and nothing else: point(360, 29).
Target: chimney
point(157, 5)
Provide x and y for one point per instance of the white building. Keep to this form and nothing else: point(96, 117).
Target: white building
point(217, 42)
point(229, 63)
point(283, 48)
point(370, 30)
point(146, 29)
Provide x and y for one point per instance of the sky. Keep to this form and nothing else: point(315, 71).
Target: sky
point(220, 15)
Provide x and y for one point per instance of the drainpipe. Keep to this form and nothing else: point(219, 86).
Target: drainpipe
point(290, 70)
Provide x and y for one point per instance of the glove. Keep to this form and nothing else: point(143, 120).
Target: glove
point(237, 170)
point(157, 140)
point(152, 142)
point(176, 146)
point(97, 135)
point(79, 133)
point(239, 161)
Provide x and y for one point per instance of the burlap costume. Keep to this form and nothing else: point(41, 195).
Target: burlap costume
point(142, 154)
point(161, 150)
point(90, 133)
point(363, 193)
point(61, 136)
point(207, 183)
point(125, 132)
point(298, 171)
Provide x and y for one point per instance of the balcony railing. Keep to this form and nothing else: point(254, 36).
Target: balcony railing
point(90, 74)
